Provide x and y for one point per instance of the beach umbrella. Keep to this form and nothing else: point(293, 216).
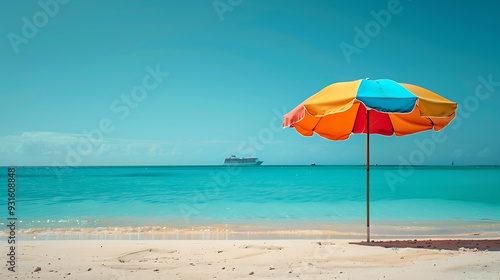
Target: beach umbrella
point(382, 107)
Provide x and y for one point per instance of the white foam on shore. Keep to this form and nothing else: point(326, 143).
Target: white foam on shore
point(348, 230)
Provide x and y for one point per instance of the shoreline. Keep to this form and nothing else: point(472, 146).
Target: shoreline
point(348, 230)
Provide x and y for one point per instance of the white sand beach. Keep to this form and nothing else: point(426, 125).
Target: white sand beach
point(244, 259)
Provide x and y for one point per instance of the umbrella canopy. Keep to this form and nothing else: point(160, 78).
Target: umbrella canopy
point(382, 107)
point(340, 109)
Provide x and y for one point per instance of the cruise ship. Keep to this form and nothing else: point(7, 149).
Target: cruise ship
point(233, 160)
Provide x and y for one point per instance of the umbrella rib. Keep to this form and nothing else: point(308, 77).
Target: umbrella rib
point(314, 128)
point(429, 118)
point(432, 122)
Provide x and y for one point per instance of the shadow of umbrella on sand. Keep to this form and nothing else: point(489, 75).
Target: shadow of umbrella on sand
point(367, 106)
point(450, 244)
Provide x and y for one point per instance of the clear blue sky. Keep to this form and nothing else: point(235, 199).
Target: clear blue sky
point(192, 82)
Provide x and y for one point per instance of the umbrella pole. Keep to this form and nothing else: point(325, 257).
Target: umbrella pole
point(367, 175)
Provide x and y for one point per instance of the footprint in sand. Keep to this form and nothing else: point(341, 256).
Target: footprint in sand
point(144, 259)
point(144, 255)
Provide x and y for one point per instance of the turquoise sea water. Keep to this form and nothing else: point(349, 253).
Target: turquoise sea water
point(279, 197)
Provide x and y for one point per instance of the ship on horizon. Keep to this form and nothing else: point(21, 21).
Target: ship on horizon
point(233, 160)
